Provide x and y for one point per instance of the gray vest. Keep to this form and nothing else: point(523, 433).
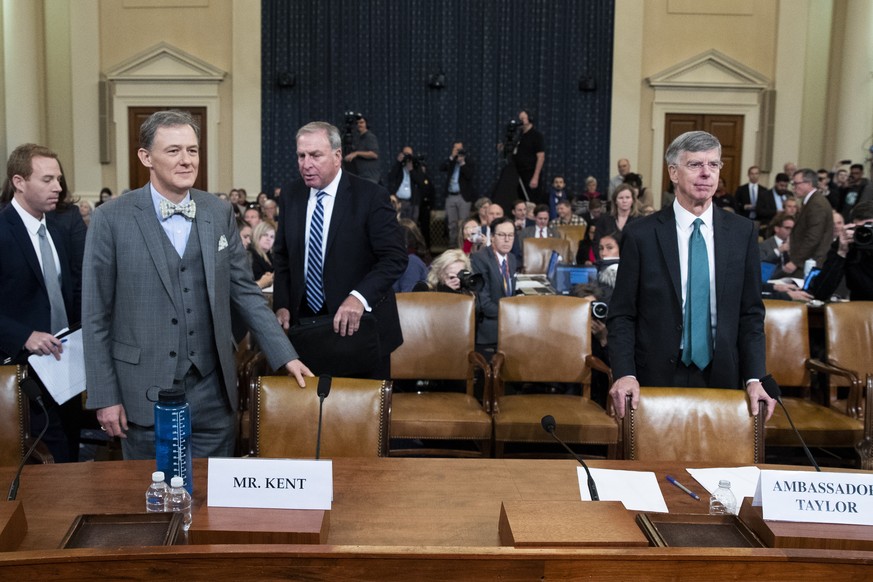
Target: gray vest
point(195, 341)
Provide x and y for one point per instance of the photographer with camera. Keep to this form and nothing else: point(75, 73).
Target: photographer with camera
point(408, 181)
point(364, 154)
point(850, 255)
point(459, 189)
point(451, 272)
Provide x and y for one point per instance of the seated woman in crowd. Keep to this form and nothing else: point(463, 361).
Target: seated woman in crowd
point(261, 250)
point(624, 209)
point(583, 199)
point(607, 266)
point(443, 273)
point(416, 268)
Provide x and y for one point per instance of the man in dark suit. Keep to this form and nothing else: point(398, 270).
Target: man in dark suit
point(813, 232)
point(339, 248)
point(497, 265)
point(755, 201)
point(164, 266)
point(687, 309)
point(459, 189)
point(34, 242)
point(540, 228)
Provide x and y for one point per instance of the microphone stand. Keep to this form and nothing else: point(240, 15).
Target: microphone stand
point(549, 425)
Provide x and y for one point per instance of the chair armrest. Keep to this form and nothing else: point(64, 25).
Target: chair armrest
point(596, 363)
point(865, 447)
point(40, 454)
point(497, 387)
point(853, 408)
point(477, 360)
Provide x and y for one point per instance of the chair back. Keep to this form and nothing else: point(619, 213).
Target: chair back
point(787, 329)
point(355, 421)
point(849, 335)
point(13, 417)
point(439, 333)
point(538, 251)
point(710, 425)
point(544, 338)
point(572, 233)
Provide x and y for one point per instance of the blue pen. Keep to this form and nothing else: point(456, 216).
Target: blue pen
point(63, 341)
point(683, 487)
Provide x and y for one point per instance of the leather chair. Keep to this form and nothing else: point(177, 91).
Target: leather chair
point(15, 436)
point(821, 424)
point(849, 345)
point(355, 422)
point(709, 425)
point(439, 333)
point(547, 339)
point(572, 233)
point(538, 251)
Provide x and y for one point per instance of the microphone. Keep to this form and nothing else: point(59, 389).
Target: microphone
point(323, 390)
point(31, 390)
point(773, 391)
point(549, 425)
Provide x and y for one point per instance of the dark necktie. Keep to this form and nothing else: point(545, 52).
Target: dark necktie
point(698, 325)
point(314, 264)
point(504, 269)
point(52, 283)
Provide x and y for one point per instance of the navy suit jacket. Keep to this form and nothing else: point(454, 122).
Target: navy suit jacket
point(485, 263)
point(364, 253)
point(645, 312)
point(25, 306)
point(765, 204)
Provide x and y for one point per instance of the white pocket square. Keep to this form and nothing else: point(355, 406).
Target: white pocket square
point(222, 243)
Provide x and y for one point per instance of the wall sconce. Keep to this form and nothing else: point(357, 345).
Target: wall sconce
point(587, 84)
point(437, 81)
point(286, 79)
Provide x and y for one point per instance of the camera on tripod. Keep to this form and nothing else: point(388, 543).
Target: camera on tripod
point(512, 136)
point(350, 125)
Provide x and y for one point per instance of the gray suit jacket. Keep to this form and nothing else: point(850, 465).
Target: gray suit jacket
point(128, 306)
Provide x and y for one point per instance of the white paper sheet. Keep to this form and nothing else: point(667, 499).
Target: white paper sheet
point(64, 378)
point(744, 480)
point(637, 490)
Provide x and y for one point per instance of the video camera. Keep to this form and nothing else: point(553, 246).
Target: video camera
point(512, 136)
point(350, 126)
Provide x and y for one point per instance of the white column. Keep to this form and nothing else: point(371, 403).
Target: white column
point(627, 63)
point(855, 91)
point(24, 66)
point(85, 69)
point(246, 79)
point(790, 74)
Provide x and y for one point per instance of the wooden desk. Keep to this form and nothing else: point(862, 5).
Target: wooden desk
point(392, 519)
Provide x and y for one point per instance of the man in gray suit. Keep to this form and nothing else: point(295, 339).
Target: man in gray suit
point(164, 265)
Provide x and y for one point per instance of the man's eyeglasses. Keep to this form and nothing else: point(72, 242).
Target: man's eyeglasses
point(698, 166)
point(504, 235)
point(796, 184)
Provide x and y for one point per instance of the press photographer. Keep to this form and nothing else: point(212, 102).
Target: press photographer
point(408, 180)
point(360, 148)
point(851, 255)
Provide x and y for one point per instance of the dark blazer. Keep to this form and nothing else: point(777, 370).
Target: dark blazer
point(259, 265)
point(418, 180)
point(25, 306)
point(765, 205)
point(485, 263)
point(645, 312)
point(465, 177)
point(364, 253)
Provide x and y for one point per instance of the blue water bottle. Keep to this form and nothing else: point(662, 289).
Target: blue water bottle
point(173, 436)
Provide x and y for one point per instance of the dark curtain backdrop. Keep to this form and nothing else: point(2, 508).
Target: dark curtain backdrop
point(375, 56)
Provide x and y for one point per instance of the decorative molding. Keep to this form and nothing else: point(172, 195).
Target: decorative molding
point(164, 62)
point(711, 69)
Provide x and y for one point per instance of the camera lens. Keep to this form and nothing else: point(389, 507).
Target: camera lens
point(864, 234)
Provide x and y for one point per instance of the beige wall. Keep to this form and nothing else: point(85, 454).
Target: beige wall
point(202, 28)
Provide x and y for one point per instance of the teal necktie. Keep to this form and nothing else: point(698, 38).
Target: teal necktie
point(698, 325)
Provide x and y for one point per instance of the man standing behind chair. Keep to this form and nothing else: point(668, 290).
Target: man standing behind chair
point(40, 280)
point(164, 265)
point(813, 231)
point(497, 265)
point(687, 307)
point(339, 248)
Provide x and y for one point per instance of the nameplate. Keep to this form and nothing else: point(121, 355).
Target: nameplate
point(270, 483)
point(803, 496)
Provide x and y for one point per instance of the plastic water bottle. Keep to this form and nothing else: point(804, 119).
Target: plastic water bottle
point(723, 501)
point(156, 494)
point(173, 436)
point(179, 501)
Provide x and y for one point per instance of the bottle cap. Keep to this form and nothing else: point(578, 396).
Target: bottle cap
point(724, 483)
point(176, 482)
point(171, 396)
point(157, 476)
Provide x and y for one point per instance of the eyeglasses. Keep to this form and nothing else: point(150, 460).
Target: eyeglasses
point(796, 184)
point(504, 235)
point(698, 166)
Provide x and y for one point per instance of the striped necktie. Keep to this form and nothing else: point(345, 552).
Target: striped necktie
point(315, 264)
